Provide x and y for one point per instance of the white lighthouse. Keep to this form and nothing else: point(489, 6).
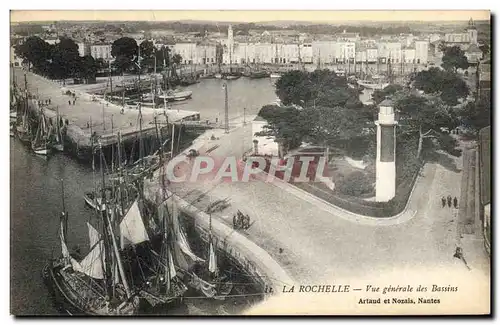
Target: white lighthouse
point(385, 187)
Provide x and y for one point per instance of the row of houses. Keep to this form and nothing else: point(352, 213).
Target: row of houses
point(315, 52)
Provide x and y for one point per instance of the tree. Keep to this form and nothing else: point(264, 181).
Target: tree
point(477, 115)
point(148, 53)
point(423, 116)
point(448, 84)
point(65, 58)
point(454, 58)
point(88, 68)
point(485, 48)
point(332, 126)
point(177, 59)
point(36, 51)
point(285, 123)
point(321, 87)
point(163, 56)
point(380, 94)
point(124, 50)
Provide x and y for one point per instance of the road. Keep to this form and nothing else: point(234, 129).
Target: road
point(319, 242)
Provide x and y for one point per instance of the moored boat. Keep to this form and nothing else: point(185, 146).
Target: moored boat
point(40, 142)
point(93, 201)
point(372, 85)
point(176, 95)
point(275, 75)
point(259, 74)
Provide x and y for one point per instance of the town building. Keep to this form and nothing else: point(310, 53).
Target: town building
point(421, 51)
point(101, 51)
point(473, 54)
point(389, 52)
point(484, 80)
point(187, 51)
point(83, 48)
point(464, 39)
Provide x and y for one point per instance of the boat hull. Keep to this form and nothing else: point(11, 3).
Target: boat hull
point(66, 301)
point(231, 77)
point(376, 86)
point(91, 202)
point(183, 95)
point(41, 151)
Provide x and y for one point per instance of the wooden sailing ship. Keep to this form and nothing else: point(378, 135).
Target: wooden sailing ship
point(56, 133)
point(40, 143)
point(23, 127)
point(130, 268)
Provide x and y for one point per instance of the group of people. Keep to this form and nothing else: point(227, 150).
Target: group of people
point(448, 200)
point(42, 103)
point(241, 221)
point(74, 99)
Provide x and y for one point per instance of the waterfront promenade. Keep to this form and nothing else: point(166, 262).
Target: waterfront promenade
point(106, 118)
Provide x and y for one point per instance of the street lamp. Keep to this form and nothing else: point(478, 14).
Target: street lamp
point(226, 109)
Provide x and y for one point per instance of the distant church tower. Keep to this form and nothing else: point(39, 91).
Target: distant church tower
point(472, 31)
point(230, 42)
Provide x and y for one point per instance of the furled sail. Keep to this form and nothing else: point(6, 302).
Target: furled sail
point(132, 229)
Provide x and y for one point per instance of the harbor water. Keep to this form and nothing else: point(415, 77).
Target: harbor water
point(36, 202)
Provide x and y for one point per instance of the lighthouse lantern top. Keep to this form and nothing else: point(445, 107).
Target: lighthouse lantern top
point(386, 107)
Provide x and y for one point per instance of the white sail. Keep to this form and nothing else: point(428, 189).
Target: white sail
point(64, 248)
point(212, 260)
point(93, 235)
point(181, 240)
point(171, 266)
point(132, 229)
point(92, 264)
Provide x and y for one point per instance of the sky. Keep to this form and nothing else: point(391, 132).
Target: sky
point(247, 16)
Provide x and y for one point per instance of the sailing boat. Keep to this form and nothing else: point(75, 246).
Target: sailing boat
point(57, 142)
point(230, 75)
point(170, 95)
point(95, 285)
point(222, 286)
point(23, 129)
point(40, 142)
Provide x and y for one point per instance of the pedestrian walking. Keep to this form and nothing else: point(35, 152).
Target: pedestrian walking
point(449, 200)
point(443, 201)
point(69, 102)
point(49, 101)
point(455, 202)
point(74, 100)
